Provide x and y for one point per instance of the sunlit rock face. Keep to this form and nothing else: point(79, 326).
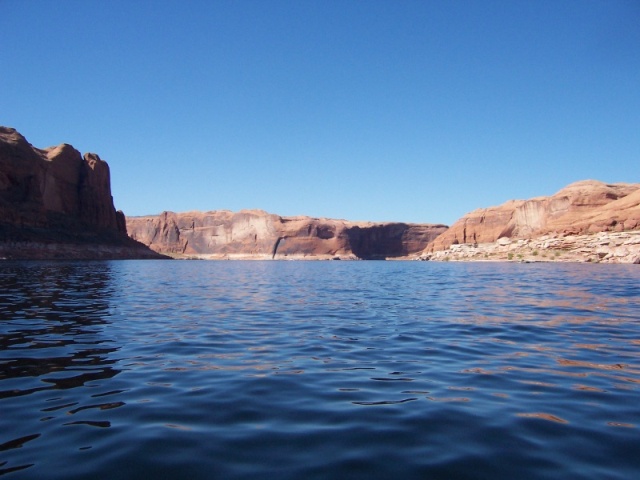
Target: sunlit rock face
point(53, 196)
point(580, 208)
point(258, 234)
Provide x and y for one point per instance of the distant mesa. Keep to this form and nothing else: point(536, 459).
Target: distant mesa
point(54, 203)
point(255, 234)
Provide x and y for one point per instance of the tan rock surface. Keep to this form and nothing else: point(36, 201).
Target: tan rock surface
point(583, 207)
point(258, 234)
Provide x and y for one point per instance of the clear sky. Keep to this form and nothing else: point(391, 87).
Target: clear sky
point(415, 111)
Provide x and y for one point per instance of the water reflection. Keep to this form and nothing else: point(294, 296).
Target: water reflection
point(318, 370)
point(53, 321)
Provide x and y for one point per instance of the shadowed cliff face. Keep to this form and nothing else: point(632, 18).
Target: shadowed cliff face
point(390, 239)
point(258, 234)
point(56, 196)
point(580, 208)
point(42, 187)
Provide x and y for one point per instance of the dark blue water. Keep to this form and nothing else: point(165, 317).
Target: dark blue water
point(296, 370)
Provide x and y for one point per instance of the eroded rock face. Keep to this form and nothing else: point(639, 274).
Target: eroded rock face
point(258, 234)
point(580, 208)
point(55, 196)
point(36, 184)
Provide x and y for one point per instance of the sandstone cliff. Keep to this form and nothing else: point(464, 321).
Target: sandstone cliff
point(580, 208)
point(258, 234)
point(54, 203)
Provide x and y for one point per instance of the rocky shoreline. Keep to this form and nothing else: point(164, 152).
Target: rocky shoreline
point(73, 251)
point(601, 247)
point(262, 257)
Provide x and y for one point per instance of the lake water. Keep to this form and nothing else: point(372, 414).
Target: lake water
point(303, 370)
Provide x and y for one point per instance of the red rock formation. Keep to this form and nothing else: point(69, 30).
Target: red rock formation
point(35, 184)
point(94, 197)
point(258, 234)
point(54, 197)
point(583, 207)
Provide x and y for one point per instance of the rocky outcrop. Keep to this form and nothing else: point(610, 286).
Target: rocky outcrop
point(38, 186)
point(580, 208)
point(602, 247)
point(54, 203)
point(258, 234)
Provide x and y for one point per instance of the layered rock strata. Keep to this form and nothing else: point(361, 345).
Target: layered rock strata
point(55, 203)
point(260, 235)
point(580, 208)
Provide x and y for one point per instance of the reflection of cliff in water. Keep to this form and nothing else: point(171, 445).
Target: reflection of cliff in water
point(52, 319)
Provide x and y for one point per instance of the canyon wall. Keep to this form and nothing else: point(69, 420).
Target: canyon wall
point(258, 234)
point(55, 203)
point(584, 207)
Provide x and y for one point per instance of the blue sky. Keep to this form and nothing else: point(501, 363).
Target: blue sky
point(415, 111)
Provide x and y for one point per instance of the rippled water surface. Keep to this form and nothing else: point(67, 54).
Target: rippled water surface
point(319, 370)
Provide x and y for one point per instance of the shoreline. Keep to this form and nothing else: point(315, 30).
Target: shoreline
point(31, 250)
point(601, 247)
